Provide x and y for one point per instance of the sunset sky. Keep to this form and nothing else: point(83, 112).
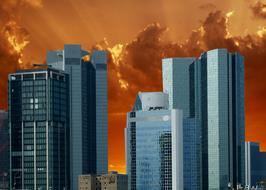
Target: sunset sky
point(138, 34)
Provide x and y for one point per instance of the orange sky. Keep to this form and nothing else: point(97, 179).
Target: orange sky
point(147, 30)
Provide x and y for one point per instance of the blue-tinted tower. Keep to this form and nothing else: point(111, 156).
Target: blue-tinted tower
point(88, 108)
point(154, 144)
point(255, 164)
point(210, 89)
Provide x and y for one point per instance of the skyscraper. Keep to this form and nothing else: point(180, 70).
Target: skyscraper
point(255, 164)
point(179, 84)
point(4, 150)
point(88, 109)
point(213, 93)
point(225, 115)
point(176, 82)
point(154, 144)
point(39, 129)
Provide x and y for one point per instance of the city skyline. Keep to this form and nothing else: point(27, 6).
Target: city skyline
point(29, 28)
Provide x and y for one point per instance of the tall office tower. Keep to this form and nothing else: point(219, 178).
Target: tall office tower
point(4, 150)
point(191, 153)
point(154, 144)
point(255, 164)
point(176, 83)
point(216, 98)
point(179, 84)
point(88, 109)
point(39, 129)
point(225, 116)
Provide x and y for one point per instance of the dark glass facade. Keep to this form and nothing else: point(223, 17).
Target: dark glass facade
point(88, 109)
point(39, 129)
point(255, 164)
point(4, 150)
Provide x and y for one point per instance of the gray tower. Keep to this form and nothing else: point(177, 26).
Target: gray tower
point(88, 109)
point(211, 90)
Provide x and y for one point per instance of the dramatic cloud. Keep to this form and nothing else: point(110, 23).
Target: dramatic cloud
point(136, 66)
point(13, 40)
point(259, 9)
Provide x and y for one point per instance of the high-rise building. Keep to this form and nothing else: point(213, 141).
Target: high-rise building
point(176, 83)
point(213, 93)
point(154, 144)
point(4, 150)
point(255, 164)
point(225, 116)
point(191, 153)
point(88, 109)
point(39, 129)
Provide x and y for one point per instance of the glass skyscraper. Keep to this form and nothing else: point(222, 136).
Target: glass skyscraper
point(176, 82)
point(179, 84)
point(225, 116)
point(191, 151)
point(88, 108)
point(4, 150)
point(154, 144)
point(213, 93)
point(39, 129)
point(255, 164)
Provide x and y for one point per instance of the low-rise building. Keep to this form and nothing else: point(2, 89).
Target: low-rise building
point(110, 181)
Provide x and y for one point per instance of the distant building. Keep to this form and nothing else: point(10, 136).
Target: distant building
point(88, 108)
point(110, 181)
point(255, 164)
point(89, 182)
point(113, 181)
point(39, 129)
point(154, 144)
point(4, 150)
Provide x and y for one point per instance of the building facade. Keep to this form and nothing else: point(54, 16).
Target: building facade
point(88, 109)
point(89, 182)
point(110, 181)
point(4, 150)
point(154, 144)
point(176, 77)
point(255, 164)
point(113, 181)
point(178, 83)
point(39, 129)
point(212, 92)
point(225, 114)
point(191, 153)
